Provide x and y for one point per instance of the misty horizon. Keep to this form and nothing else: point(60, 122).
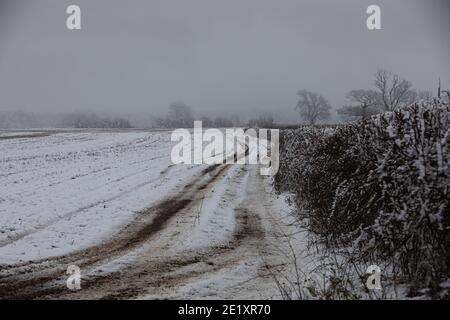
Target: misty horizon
point(236, 150)
point(221, 58)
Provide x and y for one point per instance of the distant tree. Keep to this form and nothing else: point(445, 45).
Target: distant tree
point(441, 95)
point(120, 123)
point(222, 122)
point(417, 96)
point(394, 92)
point(179, 116)
point(236, 121)
point(18, 120)
point(312, 107)
point(207, 122)
point(441, 92)
point(263, 121)
point(366, 104)
point(159, 122)
point(83, 120)
point(253, 123)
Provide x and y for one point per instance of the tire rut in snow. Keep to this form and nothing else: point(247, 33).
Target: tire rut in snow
point(153, 274)
point(68, 215)
point(21, 280)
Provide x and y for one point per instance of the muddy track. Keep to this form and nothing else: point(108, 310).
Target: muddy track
point(20, 280)
point(151, 272)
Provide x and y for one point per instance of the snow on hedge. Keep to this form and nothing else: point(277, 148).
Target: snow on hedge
point(379, 188)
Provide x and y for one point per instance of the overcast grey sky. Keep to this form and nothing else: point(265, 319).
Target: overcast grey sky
point(219, 56)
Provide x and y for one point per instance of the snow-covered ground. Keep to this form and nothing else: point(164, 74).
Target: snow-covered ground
point(69, 190)
point(137, 225)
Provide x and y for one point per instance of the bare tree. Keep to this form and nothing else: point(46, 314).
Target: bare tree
point(263, 121)
point(367, 104)
point(223, 122)
point(207, 122)
point(440, 91)
point(394, 91)
point(179, 116)
point(312, 106)
point(417, 96)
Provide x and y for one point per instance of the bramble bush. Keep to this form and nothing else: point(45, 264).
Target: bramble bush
point(379, 188)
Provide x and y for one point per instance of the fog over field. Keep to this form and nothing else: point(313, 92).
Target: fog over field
point(220, 57)
point(142, 225)
point(224, 149)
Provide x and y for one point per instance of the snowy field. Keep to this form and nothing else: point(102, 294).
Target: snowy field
point(138, 226)
point(68, 190)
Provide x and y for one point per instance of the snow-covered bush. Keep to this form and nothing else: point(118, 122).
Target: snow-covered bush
point(322, 170)
point(295, 146)
point(412, 226)
point(380, 187)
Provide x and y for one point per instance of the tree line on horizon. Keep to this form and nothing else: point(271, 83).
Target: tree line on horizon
point(390, 93)
point(180, 115)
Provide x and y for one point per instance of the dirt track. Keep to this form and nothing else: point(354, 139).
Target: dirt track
point(147, 257)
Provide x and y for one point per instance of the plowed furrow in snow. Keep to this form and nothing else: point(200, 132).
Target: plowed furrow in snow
point(27, 279)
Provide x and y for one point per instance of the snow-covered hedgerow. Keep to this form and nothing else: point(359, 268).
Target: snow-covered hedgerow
point(379, 187)
point(295, 146)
